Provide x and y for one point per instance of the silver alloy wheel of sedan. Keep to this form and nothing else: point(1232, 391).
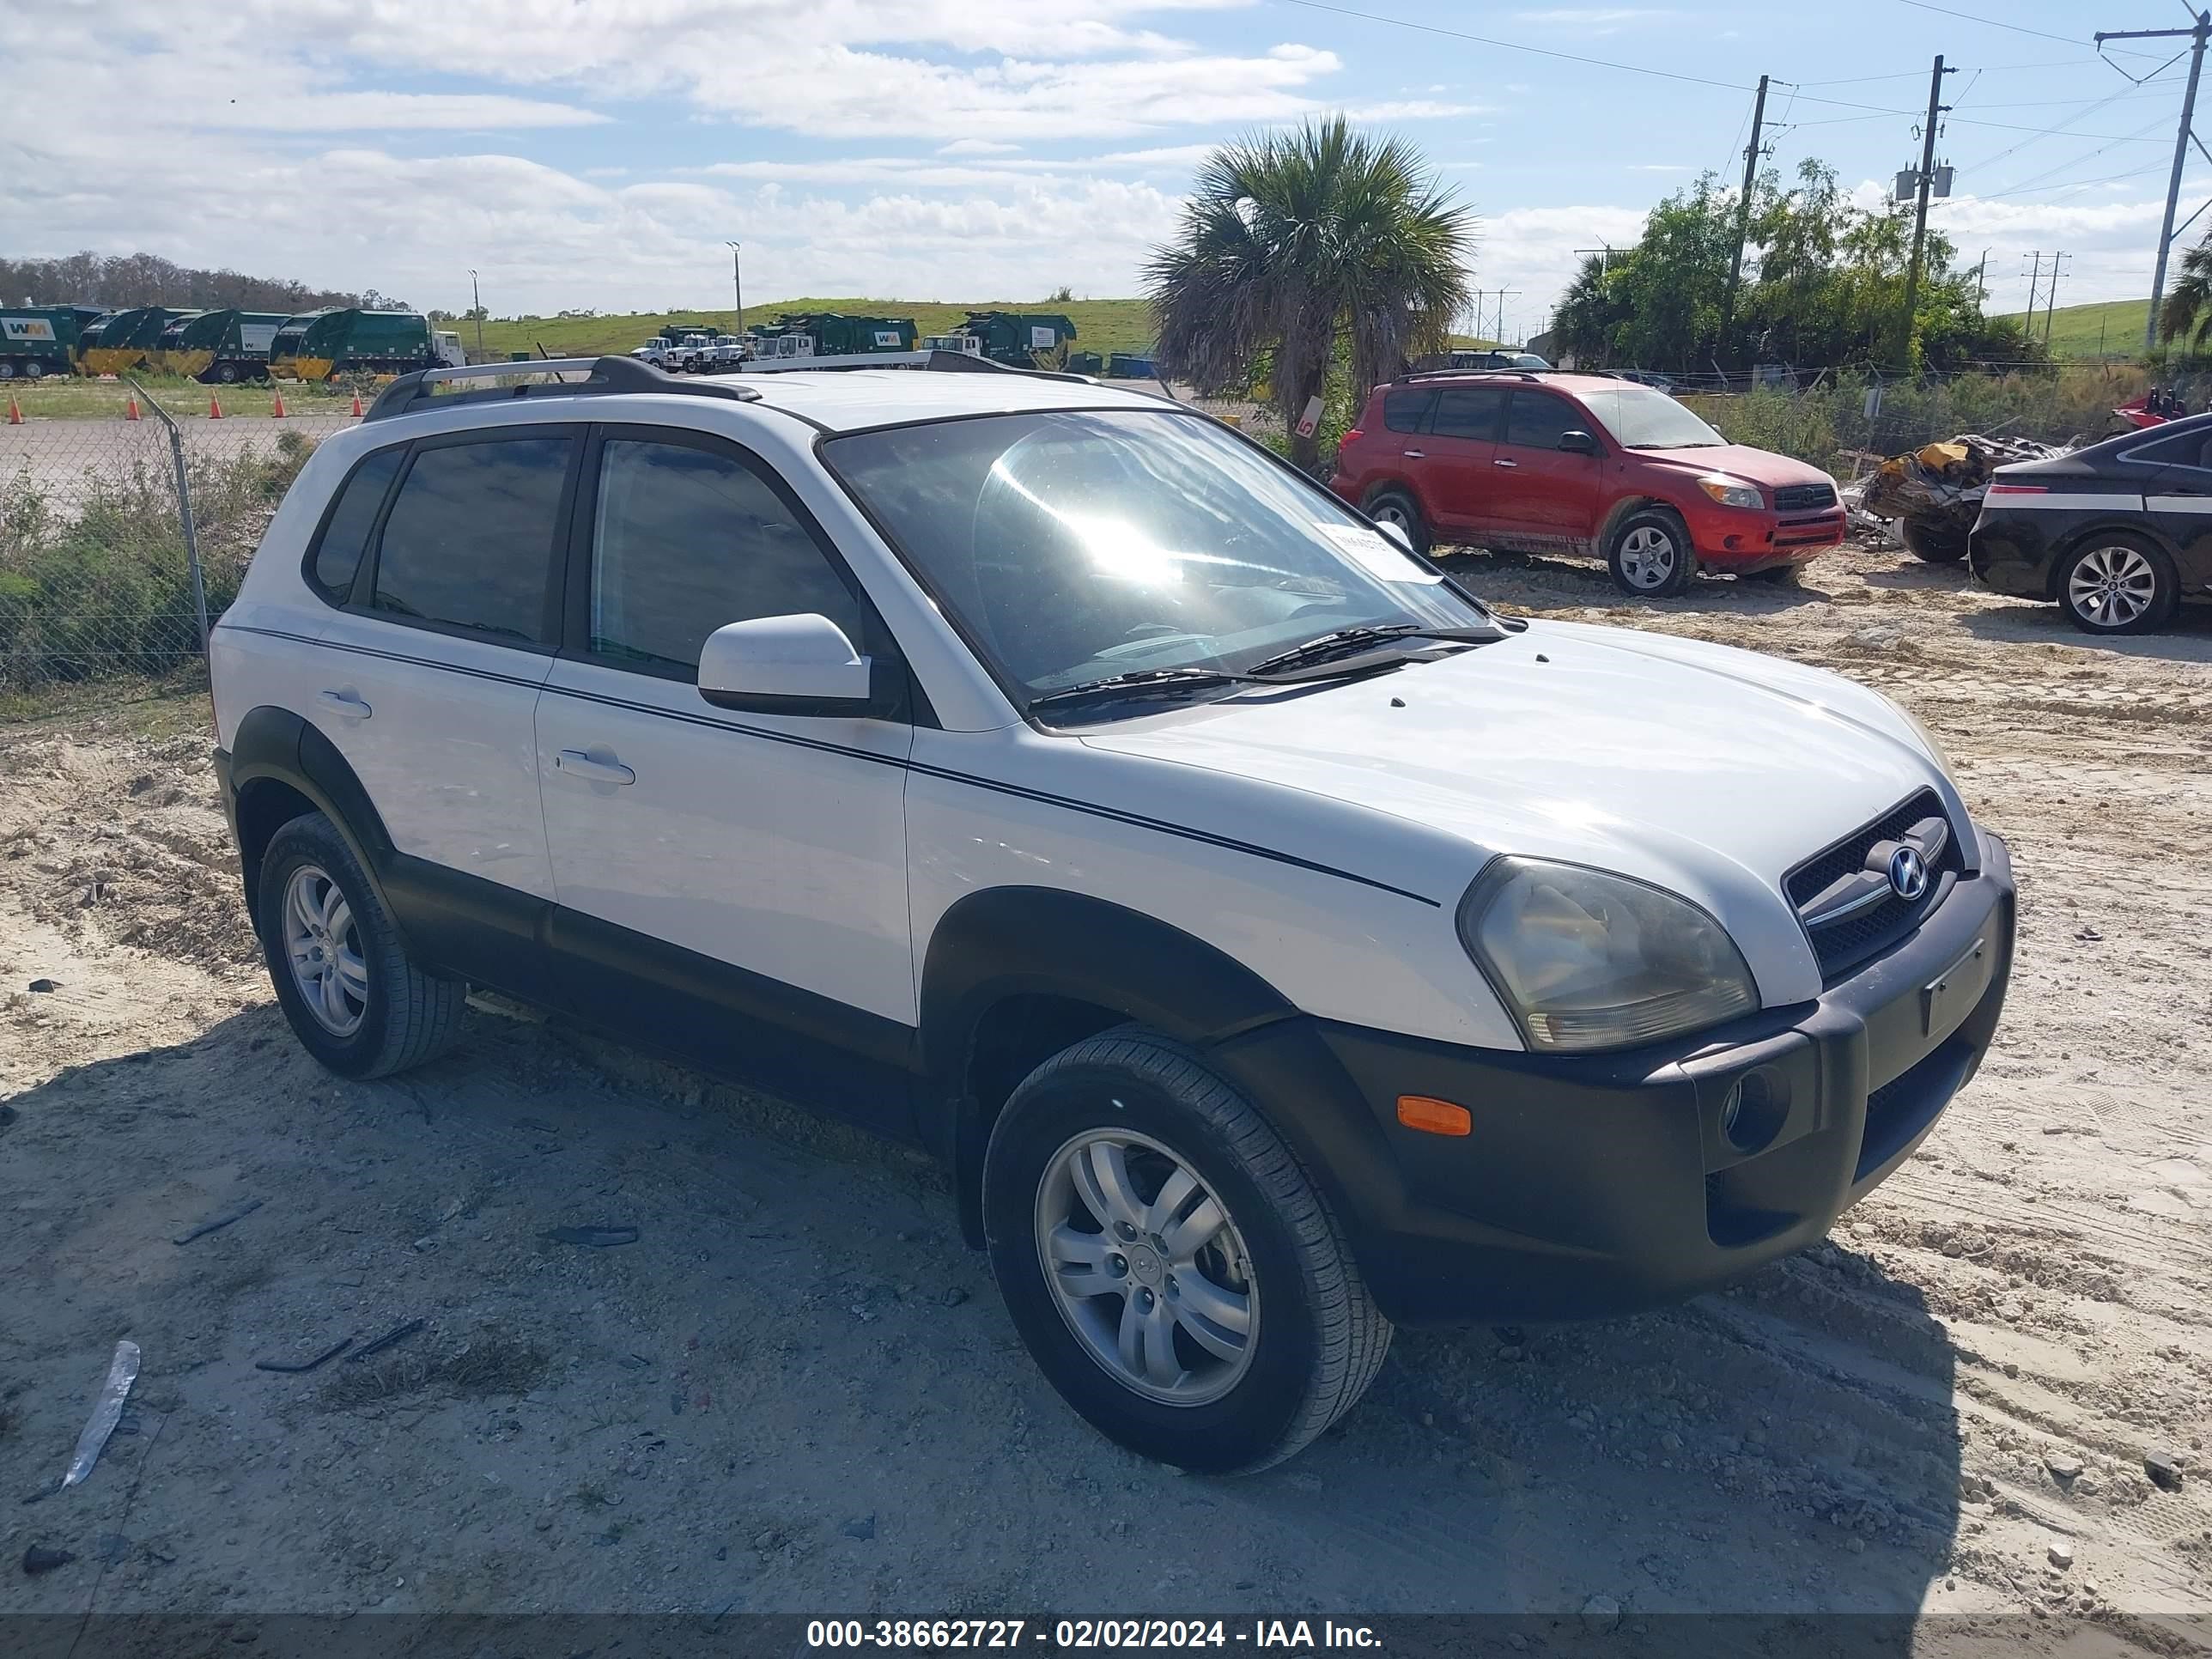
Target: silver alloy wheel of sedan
point(1647, 556)
point(2112, 586)
point(1146, 1267)
point(324, 947)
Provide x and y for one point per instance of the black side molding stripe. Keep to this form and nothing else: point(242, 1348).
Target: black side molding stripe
point(1044, 797)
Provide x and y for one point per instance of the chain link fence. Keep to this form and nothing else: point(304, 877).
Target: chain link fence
point(126, 520)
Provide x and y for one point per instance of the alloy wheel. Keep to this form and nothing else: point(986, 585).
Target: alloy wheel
point(323, 948)
point(2112, 586)
point(1146, 1267)
point(1647, 556)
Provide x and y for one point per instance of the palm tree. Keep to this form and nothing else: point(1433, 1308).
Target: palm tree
point(1297, 243)
point(2187, 313)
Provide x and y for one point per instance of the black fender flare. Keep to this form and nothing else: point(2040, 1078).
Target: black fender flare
point(1025, 941)
point(276, 746)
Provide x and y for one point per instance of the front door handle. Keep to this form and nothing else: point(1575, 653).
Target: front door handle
point(1414, 454)
point(1505, 463)
point(577, 764)
point(346, 705)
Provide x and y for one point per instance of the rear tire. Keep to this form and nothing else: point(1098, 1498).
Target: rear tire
point(1650, 556)
point(1932, 544)
point(226, 374)
point(1392, 505)
point(2115, 583)
point(355, 1000)
point(34, 370)
point(1242, 1346)
point(7, 369)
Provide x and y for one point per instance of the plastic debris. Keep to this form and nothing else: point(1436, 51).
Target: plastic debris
point(219, 1222)
point(397, 1334)
point(295, 1367)
point(106, 1412)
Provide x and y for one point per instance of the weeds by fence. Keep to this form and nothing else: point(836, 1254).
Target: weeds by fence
point(96, 595)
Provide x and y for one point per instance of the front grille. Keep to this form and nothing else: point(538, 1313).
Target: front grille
point(1842, 945)
point(1804, 498)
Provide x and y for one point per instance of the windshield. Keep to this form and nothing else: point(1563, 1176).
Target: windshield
point(1641, 418)
point(1069, 547)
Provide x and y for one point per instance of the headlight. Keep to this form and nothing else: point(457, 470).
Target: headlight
point(1587, 961)
point(1731, 492)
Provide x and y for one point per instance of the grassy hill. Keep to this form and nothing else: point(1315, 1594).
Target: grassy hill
point(1101, 325)
point(2113, 329)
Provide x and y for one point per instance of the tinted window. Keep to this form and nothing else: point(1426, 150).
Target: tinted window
point(1403, 411)
point(1468, 412)
point(2191, 449)
point(469, 542)
point(1537, 419)
point(345, 537)
point(685, 540)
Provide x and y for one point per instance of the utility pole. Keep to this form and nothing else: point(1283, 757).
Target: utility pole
point(1743, 212)
point(1935, 108)
point(1503, 294)
point(737, 282)
point(2034, 284)
point(2197, 33)
point(1982, 281)
point(476, 306)
point(2050, 300)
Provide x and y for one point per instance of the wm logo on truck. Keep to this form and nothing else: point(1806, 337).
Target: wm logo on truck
point(26, 328)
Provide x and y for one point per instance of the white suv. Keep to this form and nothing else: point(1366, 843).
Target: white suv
point(1276, 943)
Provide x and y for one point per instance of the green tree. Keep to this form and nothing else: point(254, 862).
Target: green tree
point(2187, 317)
point(1295, 243)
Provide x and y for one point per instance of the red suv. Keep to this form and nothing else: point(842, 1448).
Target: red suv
point(1582, 464)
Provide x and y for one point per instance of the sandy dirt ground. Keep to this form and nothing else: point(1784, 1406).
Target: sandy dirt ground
point(797, 1390)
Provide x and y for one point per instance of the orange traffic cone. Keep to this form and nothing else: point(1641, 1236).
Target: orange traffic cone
point(357, 406)
point(131, 408)
point(276, 410)
point(14, 415)
point(215, 409)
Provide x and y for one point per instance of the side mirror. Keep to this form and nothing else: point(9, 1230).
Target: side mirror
point(800, 665)
point(1577, 442)
point(1396, 533)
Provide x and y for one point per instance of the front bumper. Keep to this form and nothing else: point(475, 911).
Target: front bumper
point(1742, 541)
point(1601, 1184)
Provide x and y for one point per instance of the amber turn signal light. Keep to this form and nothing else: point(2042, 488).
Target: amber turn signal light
point(1433, 1117)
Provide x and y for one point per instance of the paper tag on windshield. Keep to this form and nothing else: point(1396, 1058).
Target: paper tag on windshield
point(1374, 553)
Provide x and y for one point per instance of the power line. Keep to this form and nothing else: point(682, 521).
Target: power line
point(2040, 34)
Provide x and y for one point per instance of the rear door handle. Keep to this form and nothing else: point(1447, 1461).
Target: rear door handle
point(344, 704)
point(577, 764)
point(1504, 463)
point(1414, 454)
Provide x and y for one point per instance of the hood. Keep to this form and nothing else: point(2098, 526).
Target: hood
point(1708, 771)
point(1758, 466)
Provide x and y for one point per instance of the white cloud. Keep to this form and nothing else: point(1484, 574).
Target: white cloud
point(976, 147)
point(1410, 109)
point(385, 111)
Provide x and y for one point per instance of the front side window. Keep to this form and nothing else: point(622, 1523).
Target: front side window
point(685, 540)
point(1538, 421)
point(1072, 546)
point(469, 541)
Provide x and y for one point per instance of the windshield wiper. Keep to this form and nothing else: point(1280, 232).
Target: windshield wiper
point(1140, 683)
point(1345, 642)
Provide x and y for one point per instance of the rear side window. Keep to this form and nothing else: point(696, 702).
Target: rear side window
point(469, 541)
point(345, 532)
point(685, 540)
point(1406, 411)
point(2191, 449)
point(1468, 411)
point(1537, 420)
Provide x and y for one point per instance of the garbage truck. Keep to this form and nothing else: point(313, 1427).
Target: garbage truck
point(320, 345)
point(831, 334)
point(36, 341)
point(127, 342)
point(1023, 338)
point(219, 347)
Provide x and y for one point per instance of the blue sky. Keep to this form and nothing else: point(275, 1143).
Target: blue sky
point(584, 153)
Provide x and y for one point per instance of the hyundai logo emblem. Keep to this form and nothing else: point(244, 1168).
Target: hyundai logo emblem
point(1908, 873)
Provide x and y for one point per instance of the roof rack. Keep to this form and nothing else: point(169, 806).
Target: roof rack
point(601, 374)
point(1461, 373)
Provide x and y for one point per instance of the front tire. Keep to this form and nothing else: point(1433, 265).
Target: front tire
point(1650, 556)
point(343, 976)
point(2118, 584)
point(1932, 544)
point(1174, 1272)
point(1398, 507)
